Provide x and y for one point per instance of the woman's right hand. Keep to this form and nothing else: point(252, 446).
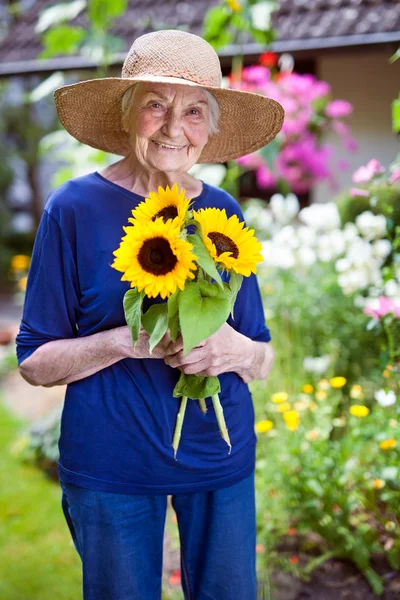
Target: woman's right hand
point(141, 349)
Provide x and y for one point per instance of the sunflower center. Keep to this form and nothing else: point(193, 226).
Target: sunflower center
point(156, 257)
point(223, 243)
point(168, 212)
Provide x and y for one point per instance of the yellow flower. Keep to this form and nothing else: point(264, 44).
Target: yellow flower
point(234, 5)
point(388, 444)
point(313, 406)
point(230, 243)
point(283, 407)
point(264, 426)
point(386, 373)
point(164, 204)
point(378, 484)
point(324, 384)
point(308, 388)
point(279, 397)
point(154, 258)
point(389, 367)
point(338, 382)
point(313, 434)
point(291, 419)
point(321, 395)
point(20, 262)
point(359, 410)
point(22, 284)
point(356, 392)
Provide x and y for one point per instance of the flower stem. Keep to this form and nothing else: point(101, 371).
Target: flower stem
point(178, 426)
point(203, 405)
point(219, 413)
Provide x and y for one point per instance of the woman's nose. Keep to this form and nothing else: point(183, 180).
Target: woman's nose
point(172, 125)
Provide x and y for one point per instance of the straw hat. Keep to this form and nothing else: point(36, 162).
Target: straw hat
point(91, 110)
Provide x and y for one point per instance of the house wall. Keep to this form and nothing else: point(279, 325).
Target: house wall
point(370, 83)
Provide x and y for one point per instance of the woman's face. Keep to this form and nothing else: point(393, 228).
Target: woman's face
point(170, 126)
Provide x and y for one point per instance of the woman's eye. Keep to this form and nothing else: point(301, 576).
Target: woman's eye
point(195, 112)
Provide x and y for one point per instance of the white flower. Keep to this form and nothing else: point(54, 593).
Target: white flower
point(330, 245)
point(211, 174)
point(381, 248)
point(261, 14)
point(277, 256)
point(371, 226)
point(350, 232)
point(391, 288)
point(284, 209)
point(385, 398)
point(306, 256)
point(287, 237)
point(321, 217)
point(342, 265)
point(306, 235)
point(317, 364)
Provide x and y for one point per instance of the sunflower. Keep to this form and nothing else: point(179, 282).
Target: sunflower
point(154, 258)
point(229, 242)
point(165, 204)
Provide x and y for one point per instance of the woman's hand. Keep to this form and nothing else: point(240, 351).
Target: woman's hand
point(226, 350)
point(141, 349)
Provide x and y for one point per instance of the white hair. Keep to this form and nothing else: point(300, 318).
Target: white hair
point(129, 100)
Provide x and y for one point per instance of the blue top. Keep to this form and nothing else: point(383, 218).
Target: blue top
point(117, 425)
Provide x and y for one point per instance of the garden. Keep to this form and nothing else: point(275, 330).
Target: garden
point(327, 417)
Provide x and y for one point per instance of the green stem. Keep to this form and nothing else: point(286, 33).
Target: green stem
point(203, 405)
point(219, 413)
point(179, 423)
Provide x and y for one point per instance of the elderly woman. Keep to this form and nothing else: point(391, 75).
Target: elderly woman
point(116, 468)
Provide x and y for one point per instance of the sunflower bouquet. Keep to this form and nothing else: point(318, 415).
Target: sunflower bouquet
point(184, 256)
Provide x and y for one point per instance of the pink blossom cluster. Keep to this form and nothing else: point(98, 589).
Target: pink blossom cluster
point(384, 307)
point(302, 159)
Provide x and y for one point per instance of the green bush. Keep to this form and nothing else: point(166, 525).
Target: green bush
point(350, 208)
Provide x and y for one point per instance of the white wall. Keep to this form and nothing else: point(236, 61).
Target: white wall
point(370, 83)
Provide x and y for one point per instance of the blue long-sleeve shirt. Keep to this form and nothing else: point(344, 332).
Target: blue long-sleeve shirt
point(117, 424)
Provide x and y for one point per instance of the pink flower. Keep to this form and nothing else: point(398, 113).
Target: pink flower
point(354, 192)
point(343, 164)
point(395, 176)
point(366, 173)
point(264, 177)
point(385, 306)
point(338, 108)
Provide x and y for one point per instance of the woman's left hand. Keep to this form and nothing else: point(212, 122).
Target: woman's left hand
point(226, 350)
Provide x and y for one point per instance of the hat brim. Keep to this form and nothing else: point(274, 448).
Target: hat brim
point(91, 112)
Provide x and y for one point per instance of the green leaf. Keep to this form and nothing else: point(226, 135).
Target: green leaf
point(133, 312)
point(155, 322)
point(203, 309)
point(63, 39)
point(101, 12)
point(314, 486)
point(196, 386)
point(173, 315)
point(203, 257)
point(374, 580)
point(235, 283)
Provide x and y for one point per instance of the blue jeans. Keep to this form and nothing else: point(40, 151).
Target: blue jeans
point(120, 541)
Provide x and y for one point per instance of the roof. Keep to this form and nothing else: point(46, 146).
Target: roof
point(300, 24)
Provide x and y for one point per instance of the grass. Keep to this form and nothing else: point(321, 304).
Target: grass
point(37, 558)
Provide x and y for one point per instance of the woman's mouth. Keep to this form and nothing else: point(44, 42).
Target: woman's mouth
point(167, 146)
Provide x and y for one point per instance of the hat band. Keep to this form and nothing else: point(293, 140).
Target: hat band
point(176, 77)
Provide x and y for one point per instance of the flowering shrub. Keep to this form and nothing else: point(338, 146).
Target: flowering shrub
point(334, 469)
point(298, 158)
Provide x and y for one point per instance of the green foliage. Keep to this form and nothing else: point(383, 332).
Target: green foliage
point(133, 301)
point(196, 386)
point(224, 25)
point(62, 40)
point(350, 208)
point(204, 259)
point(203, 309)
point(155, 322)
